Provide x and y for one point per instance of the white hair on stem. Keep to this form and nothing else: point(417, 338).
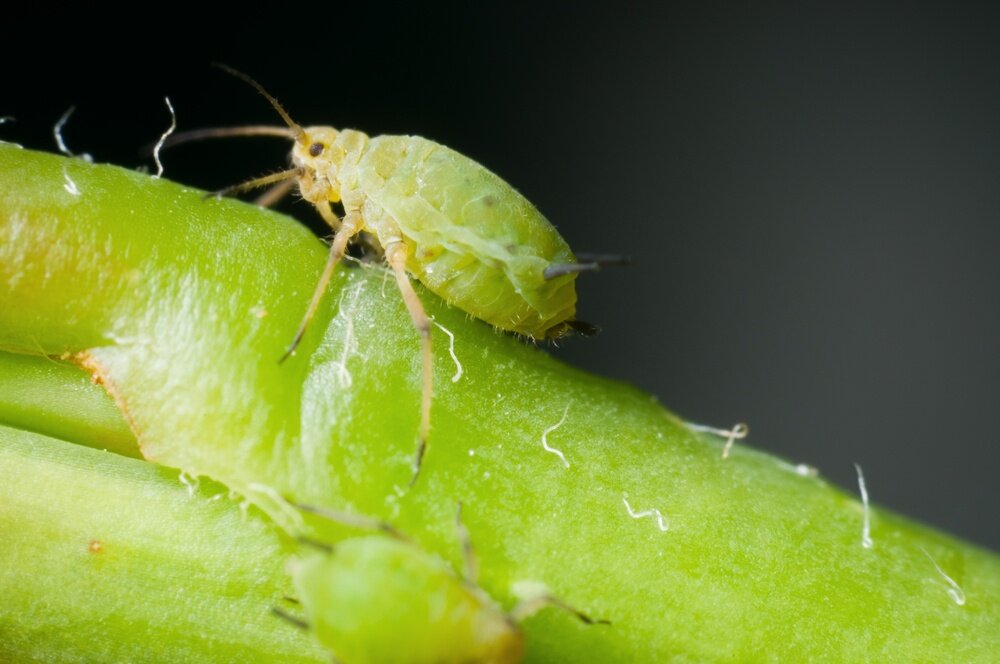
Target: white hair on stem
point(163, 138)
point(661, 521)
point(545, 438)
point(866, 528)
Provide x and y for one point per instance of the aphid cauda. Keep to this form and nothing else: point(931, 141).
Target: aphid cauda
point(435, 215)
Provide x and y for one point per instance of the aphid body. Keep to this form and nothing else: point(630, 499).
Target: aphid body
point(469, 237)
point(435, 214)
point(377, 600)
point(381, 599)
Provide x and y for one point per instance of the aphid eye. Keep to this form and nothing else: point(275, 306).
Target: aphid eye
point(316, 149)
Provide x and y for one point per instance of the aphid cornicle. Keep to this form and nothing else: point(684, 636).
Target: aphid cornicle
point(436, 215)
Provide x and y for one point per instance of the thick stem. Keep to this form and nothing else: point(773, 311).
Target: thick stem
point(182, 308)
point(110, 559)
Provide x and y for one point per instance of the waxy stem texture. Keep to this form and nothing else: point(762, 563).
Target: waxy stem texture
point(180, 307)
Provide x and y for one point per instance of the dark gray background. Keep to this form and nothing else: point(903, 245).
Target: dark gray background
point(810, 194)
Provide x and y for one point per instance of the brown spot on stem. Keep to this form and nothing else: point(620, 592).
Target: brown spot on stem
point(99, 375)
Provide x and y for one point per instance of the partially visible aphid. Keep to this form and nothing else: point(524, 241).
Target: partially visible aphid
point(435, 214)
point(380, 599)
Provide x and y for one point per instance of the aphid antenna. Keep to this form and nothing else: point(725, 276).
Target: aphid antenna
point(192, 135)
point(292, 130)
point(297, 132)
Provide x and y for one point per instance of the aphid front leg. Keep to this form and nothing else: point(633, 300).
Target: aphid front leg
point(275, 193)
point(396, 254)
point(348, 228)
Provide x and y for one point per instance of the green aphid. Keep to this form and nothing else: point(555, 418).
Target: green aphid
point(379, 600)
point(434, 214)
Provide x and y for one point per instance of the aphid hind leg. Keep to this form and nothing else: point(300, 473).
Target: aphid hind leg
point(396, 254)
point(348, 228)
point(529, 607)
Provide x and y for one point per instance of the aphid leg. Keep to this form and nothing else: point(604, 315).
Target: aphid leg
point(331, 218)
point(471, 563)
point(284, 615)
point(350, 226)
point(529, 607)
point(275, 193)
point(396, 255)
point(256, 183)
point(353, 520)
point(319, 545)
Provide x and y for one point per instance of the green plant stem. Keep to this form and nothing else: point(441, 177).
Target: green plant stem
point(182, 307)
point(56, 399)
point(109, 559)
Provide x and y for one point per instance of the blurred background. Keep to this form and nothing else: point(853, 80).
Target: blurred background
point(810, 194)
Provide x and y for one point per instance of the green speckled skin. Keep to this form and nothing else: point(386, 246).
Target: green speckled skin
point(475, 241)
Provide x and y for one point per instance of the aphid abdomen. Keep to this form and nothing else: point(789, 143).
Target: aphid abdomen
point(475, 241)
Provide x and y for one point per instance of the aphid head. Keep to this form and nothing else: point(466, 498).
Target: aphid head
point(318, 155)
point(317, 149)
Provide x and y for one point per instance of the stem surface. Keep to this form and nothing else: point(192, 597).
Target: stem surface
point(181, 308)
